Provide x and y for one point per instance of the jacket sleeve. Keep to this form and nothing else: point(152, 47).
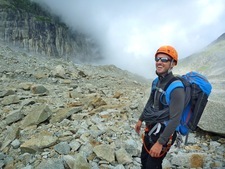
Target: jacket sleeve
point(176, 108)
point(149, 103)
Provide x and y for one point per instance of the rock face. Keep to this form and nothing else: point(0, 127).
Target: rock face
point(57, 114)
point(25, 25)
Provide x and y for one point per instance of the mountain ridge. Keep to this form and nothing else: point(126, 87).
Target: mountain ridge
point(209, 61)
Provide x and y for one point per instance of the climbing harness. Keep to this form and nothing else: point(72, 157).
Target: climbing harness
point(156, 127)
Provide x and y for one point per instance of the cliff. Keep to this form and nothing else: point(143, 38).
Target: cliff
point(25, 25)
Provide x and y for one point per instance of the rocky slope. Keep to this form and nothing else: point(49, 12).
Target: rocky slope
point(209, 61)
point(57, 114)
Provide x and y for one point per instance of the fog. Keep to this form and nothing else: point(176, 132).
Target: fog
point(130, 31)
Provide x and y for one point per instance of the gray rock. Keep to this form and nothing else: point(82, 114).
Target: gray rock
point(123, 157)
point(10, 135)
point(39, 89)
point(131, 147)
point(15, 143)
point(212, 118)
point(2, 163)
point(38, 114)
point(62, 148)
point(105, 152)
point(38, 142)
point(191, 160)
point(74, 144)
point(11, 99)
point(59, 71)
point(13, 116)
point(2, 156)
point(61, 114)
point(69, 160)
point(81, 162)
point(51, 164)
point(28, 167)
point(120, 166)
point(6, 93)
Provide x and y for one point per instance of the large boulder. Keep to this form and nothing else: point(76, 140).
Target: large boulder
point(212, 119)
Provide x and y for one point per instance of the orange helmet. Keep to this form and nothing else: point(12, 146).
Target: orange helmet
point(169, 50)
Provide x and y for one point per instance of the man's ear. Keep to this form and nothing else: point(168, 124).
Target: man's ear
point(174, 63)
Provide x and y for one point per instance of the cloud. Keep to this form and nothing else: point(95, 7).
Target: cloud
point(130, 31)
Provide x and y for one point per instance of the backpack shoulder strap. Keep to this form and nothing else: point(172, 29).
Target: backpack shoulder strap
point(175, 84)
point(154, 83)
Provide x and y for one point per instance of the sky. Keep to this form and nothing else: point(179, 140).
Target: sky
point(130, 31)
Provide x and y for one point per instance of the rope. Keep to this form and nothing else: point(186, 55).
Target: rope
point(164, 151)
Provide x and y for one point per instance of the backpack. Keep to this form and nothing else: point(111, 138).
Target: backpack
point(197, 90)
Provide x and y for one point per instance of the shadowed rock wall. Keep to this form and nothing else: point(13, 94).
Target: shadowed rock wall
point(36, 31)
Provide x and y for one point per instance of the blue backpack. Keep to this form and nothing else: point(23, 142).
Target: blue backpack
point(197, 89)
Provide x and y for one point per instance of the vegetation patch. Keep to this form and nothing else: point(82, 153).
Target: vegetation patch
point(4, 3)
point(24, 5)
point(43, 18)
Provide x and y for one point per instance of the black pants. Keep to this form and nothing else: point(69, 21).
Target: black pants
point(147, 161)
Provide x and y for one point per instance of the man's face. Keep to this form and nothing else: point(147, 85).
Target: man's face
point(163, 63)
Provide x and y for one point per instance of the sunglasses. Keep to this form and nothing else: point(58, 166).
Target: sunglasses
point(164, 60)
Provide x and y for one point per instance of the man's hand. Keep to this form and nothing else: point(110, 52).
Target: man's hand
point(138, 126)
point(156, 149)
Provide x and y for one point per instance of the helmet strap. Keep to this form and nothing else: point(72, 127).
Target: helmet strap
point(171, 63)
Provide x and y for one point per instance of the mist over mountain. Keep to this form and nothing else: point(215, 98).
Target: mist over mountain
point(117, 34)
point(129, 32)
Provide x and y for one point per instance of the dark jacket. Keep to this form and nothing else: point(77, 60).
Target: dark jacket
point(176, 107)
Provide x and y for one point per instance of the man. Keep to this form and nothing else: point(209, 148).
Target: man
point(161, 120)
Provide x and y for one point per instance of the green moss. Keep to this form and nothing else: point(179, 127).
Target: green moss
point(22, 5)
point(43, 18)
point(4, 2)
point(33, 8)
